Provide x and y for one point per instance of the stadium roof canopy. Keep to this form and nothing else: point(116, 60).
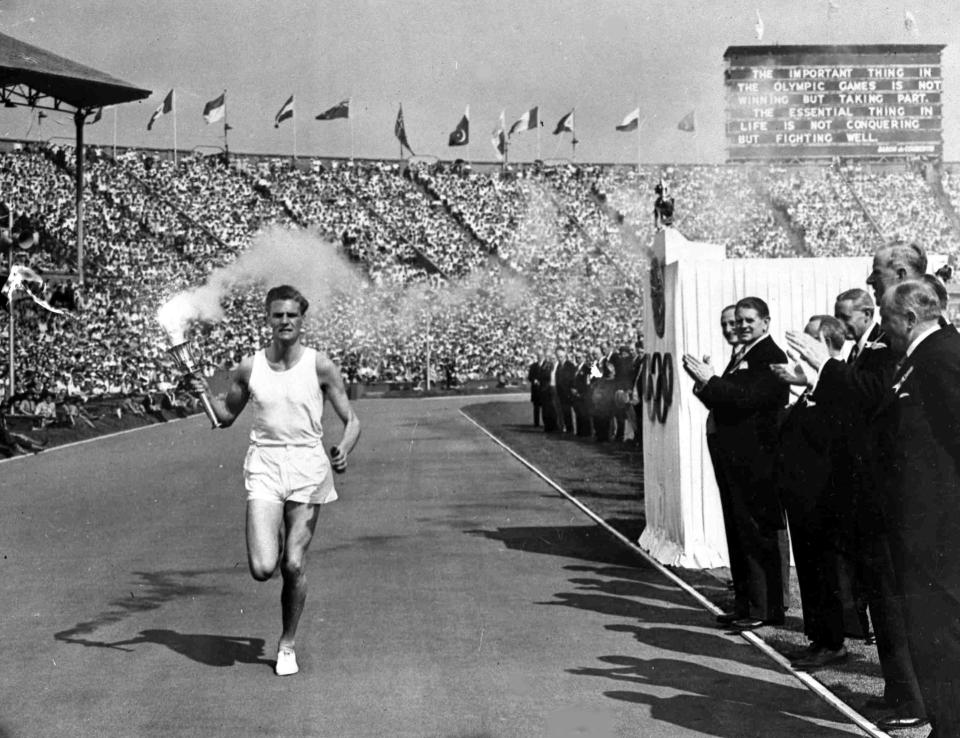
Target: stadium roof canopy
point(34, 77)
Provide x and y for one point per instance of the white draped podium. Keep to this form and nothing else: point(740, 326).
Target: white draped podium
point(684, 525)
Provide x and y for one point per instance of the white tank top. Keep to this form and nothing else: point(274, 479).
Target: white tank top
point(288, 405)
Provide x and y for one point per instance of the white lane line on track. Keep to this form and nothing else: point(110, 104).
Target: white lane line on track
point(752, 638)
point(82, 441)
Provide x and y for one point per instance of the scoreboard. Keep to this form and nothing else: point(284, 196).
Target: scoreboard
point(814, 102)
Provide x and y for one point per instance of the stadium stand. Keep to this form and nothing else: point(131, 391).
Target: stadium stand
point(504, 260)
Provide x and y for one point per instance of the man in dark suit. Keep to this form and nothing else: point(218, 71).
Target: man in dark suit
point(804, 475)
point(566, 370)
point(745, 403)
point(581, 384)
point(548, 393)
point(918, 449)
point(533, 377)
point(856, 388)
point(622, 362)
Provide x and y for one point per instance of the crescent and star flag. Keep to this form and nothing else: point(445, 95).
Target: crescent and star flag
point(527, 122)
point(215, 109)
point(461, 134)
point(564, 124)
point(758, 28)
point(340, 110)
point(24, 279)
point(400, 131)
point(688, 123)
point(631, 122)
point(286, 111)
point(499, 139)
point(162, 109)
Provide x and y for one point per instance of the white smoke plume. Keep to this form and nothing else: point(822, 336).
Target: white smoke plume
point(276, 256)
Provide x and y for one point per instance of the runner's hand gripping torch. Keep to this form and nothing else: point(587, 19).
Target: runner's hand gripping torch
point(184, 357)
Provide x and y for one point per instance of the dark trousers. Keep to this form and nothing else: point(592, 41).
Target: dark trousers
point(886, 606)
point(566, 415)
point(551, 410)
point(933, 632)
point(753, 546)
point(818, 568)
point(536, 412)
point(583, 419)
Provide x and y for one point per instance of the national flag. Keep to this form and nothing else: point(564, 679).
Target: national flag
point(162, 109)
point(564, 124)
point(688, 123)
point(215, 109)
point(286, 111)
point(227, 127)
point(910, 23)
point(40, 116)
point(758, 28)
point(24, 279)
point(97, 116)
point(527, 122)
point(631, 122)
point(461, 134)
point(499, 139)
point(400, 131)
point(340, 110)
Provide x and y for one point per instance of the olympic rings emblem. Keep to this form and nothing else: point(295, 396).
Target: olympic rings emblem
point(655, 385)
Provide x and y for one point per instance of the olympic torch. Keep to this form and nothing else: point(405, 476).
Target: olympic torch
point(174, 317)
point(184, 357)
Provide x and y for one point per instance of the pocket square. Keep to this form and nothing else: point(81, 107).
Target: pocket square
point(743, 365)
point(901, 395)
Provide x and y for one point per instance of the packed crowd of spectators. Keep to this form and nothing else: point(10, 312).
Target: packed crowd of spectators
point(472, 268)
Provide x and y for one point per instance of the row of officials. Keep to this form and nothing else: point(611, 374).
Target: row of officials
point(864, 468)
point(587, 394)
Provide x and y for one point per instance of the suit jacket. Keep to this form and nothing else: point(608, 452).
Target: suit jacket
point(917, 435)
point(855, 392)
point(565, 376)
point(533, 376)
point(581, 380)
point(545, 375)
point(745, 404)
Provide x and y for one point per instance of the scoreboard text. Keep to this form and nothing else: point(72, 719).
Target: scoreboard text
point(804, 102)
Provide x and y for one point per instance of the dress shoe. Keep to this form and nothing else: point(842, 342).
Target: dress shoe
point(726, 618)
point(747, 623)
point(893, 722)
point(802, 653)
point(823, 657)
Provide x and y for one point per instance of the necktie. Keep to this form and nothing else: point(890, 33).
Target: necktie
point(854, 353)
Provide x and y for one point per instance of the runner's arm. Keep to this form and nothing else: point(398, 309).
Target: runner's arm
point(334, 390)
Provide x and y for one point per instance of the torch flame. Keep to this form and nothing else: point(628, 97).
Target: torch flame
point(175, 316)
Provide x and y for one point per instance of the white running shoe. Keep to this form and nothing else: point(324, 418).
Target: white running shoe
point(286, 661)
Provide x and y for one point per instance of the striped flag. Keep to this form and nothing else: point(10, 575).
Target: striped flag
point(162, 109)
point(564, 124)
point(400, 131)
point(215, 109)
point(631, 122)
point(340, 110)
point(527, 122)
point(688, 123)
point(461, 134)
point(758, 28)
point(286, 111)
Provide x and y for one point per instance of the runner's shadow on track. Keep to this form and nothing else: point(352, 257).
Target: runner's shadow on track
point(210, 650)
point(715, 702)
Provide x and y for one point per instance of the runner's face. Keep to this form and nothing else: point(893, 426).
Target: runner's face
point(285, 320)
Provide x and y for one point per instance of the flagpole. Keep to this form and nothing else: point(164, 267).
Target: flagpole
point(10, 302)
point(639, 142)
point(114, 133)
point(539, 155)
point(350, 116)
point(294, 118)
point(173, 99)
point(226, 143)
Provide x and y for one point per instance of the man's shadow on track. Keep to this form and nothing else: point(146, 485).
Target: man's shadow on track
point(711, 700)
